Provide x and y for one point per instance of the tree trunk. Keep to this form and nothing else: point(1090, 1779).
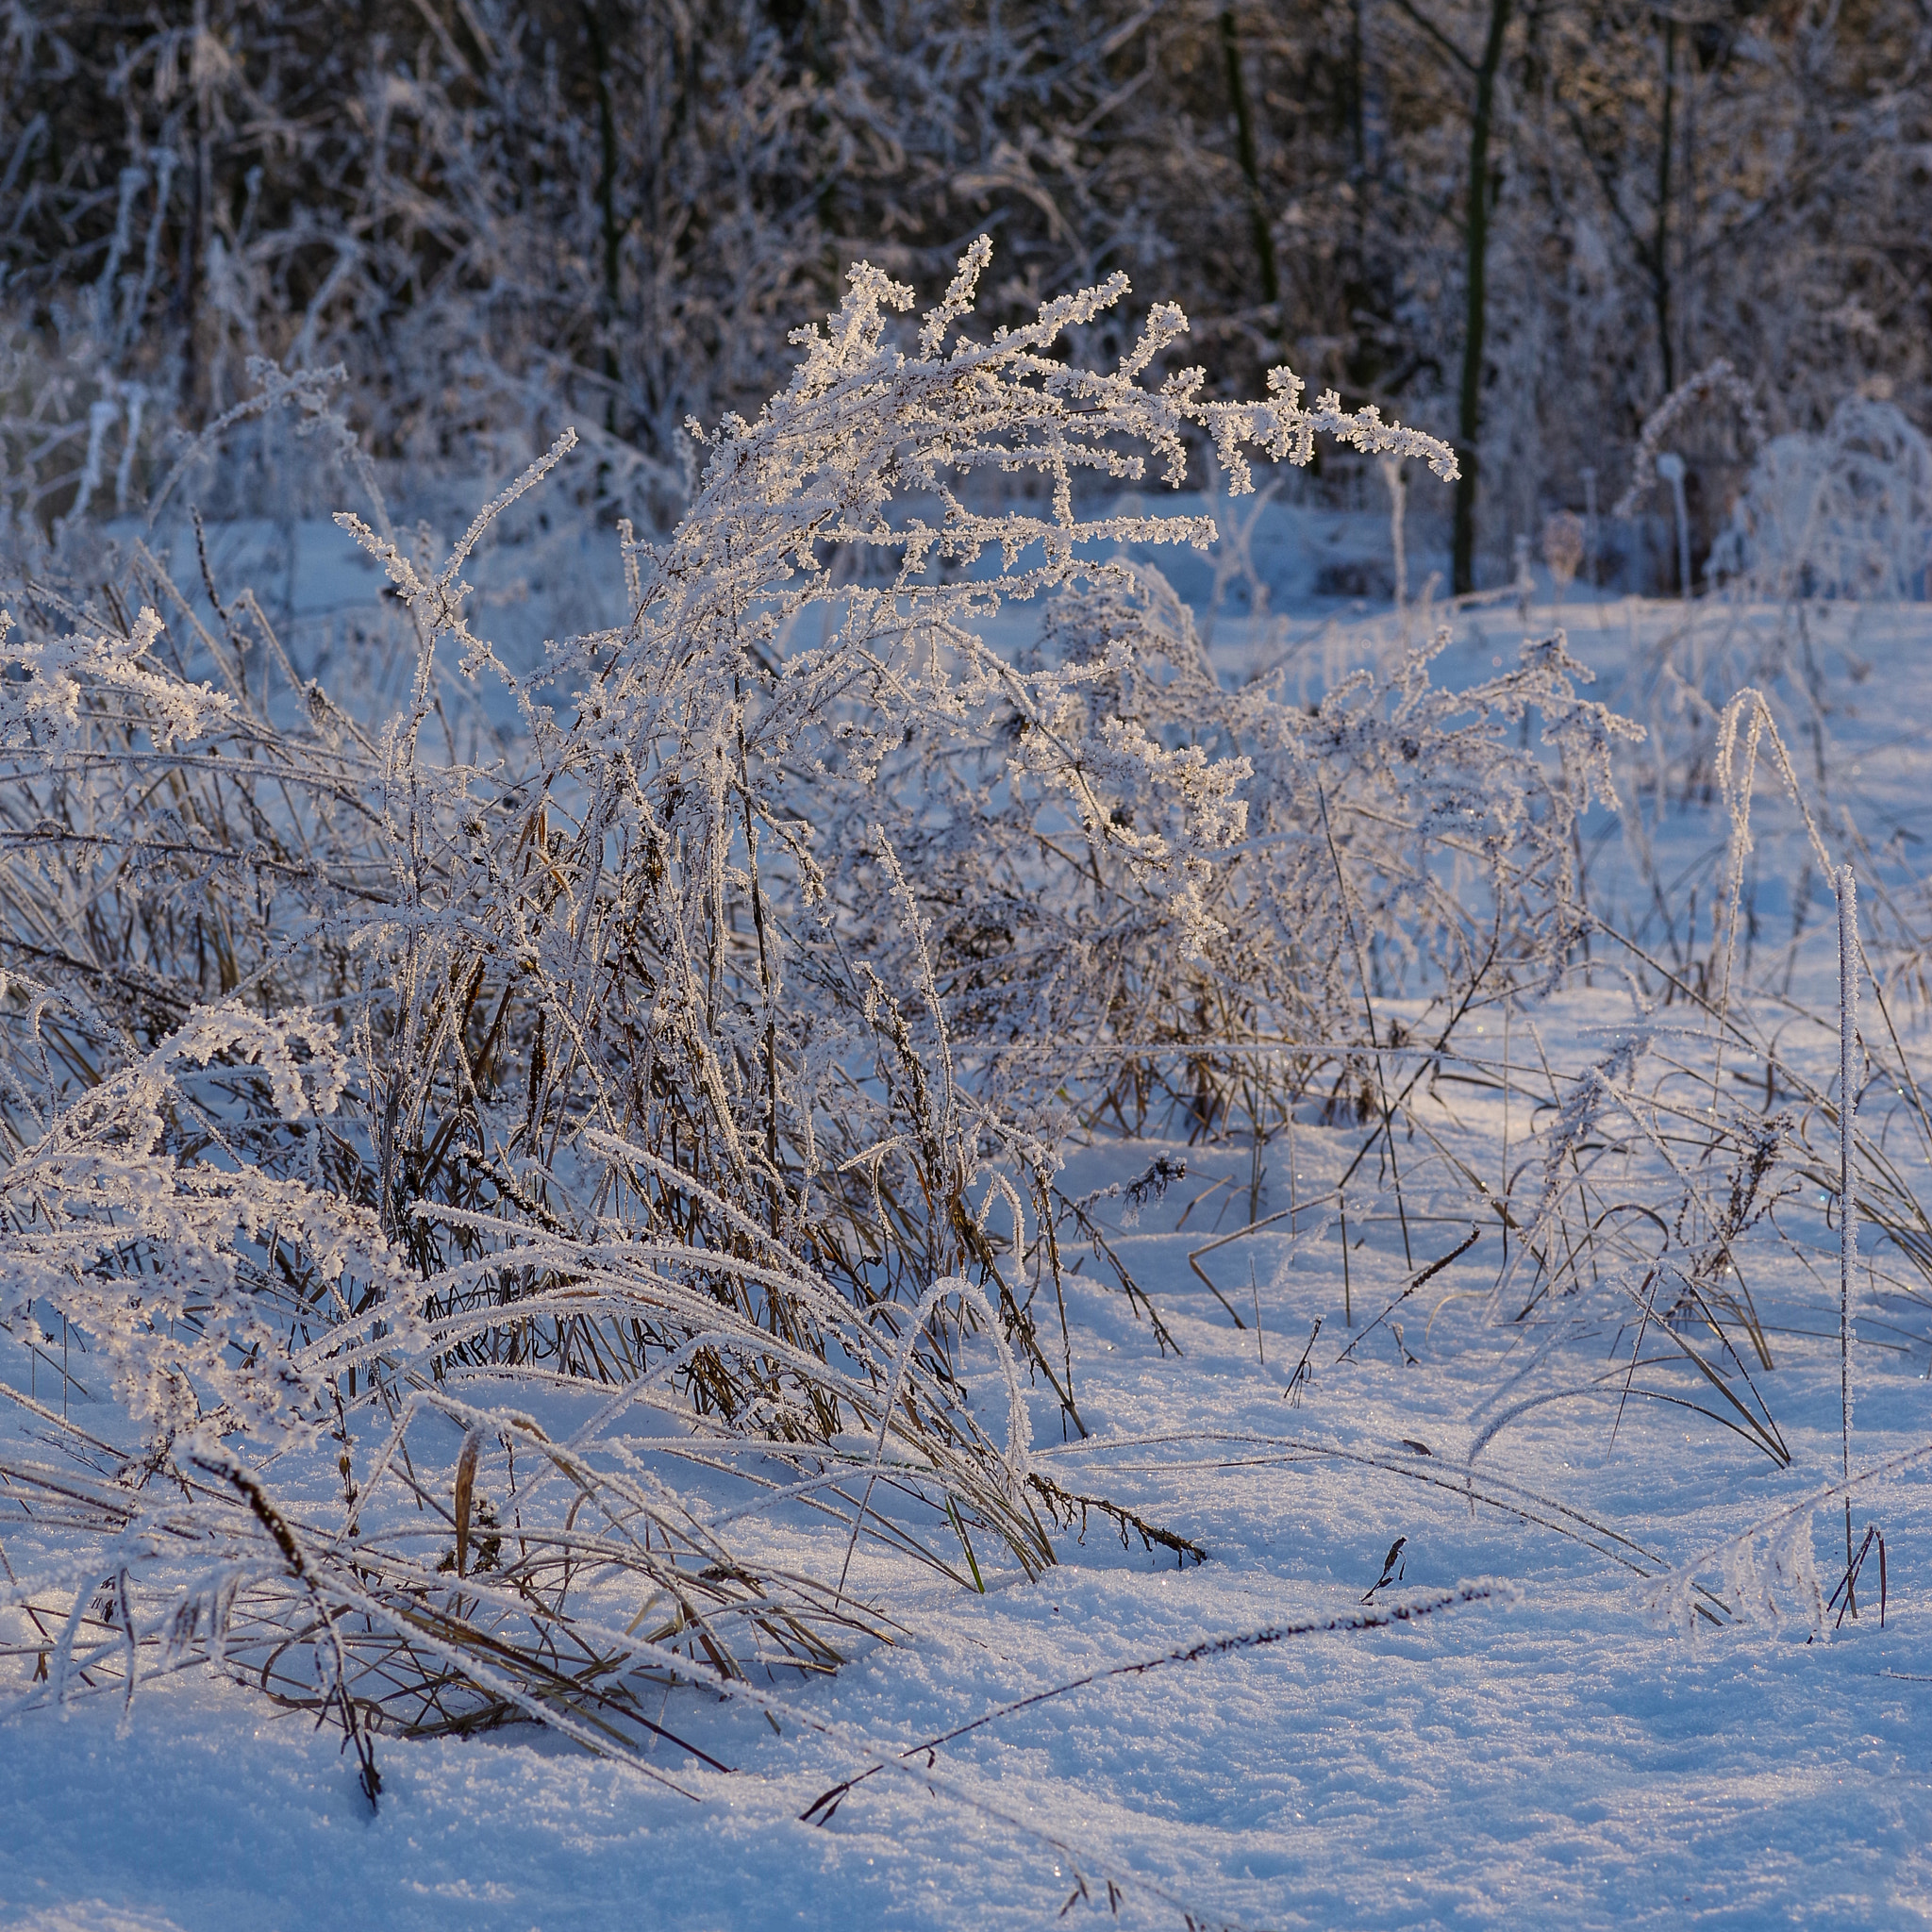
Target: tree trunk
point(1660, 244)
point(1251, 167)
point(1469, 413)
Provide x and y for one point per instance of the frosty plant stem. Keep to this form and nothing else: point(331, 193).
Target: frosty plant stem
point(1847, 889)
point(822, 1807)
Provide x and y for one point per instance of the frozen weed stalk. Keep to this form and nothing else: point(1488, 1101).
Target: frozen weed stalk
point(1847, 889)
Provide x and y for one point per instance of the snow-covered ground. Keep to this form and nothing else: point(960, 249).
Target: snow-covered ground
point(1557, 1760)
point(1556, 1752)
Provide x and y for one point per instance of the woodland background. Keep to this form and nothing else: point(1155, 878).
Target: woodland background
point(1518, 227)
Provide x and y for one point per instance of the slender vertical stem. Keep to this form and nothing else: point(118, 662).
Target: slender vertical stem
point(1361, 968)
point(1347, 1286)
point(1847, 1115)
point(1508, 1006)
point(1398, 505)
point(1681, 510)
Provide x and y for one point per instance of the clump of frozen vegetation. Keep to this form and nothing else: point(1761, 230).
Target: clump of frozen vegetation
point(504, 1152)
point(492, 1147)
point(1846, 513)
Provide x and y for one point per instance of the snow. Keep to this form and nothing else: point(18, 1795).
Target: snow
point(1562, 1760)
point(1462, 1776)
point(1556, 1756)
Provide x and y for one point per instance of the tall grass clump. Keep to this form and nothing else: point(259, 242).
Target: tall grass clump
point(490, 1161)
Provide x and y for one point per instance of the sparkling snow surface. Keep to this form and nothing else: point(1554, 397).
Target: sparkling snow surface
point(1561, 1759)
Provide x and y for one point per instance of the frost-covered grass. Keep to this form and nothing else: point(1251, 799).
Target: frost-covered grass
point(1017, 1243)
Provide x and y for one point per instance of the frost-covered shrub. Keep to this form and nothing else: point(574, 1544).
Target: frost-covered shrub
point(516, 1107)
point(1847, 513)
point(1394, 834)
